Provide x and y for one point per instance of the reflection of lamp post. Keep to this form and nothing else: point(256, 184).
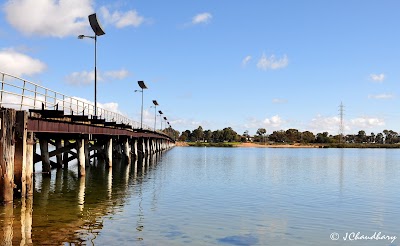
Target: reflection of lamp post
point(160, 114)
point(98, 31)
point(155, 113)
point(142, 86)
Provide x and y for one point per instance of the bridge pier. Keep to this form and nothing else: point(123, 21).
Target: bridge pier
point(127, 151)
point(80, 150)
point(108, 150)
point(7, 150)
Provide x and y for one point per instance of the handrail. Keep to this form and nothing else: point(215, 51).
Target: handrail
point(24, 94)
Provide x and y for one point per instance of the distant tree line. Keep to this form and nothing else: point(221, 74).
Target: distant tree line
point(287, 136)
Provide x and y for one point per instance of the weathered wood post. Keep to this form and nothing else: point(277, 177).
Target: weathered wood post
point(65, 154)
point(59, 156)
point(135, 148)
point(44, 153)
point(127, 151)
point(20, 153)
point(29, 164)
point(7, 149)
point(87, 152)
point(109, 149)
point(80, 150)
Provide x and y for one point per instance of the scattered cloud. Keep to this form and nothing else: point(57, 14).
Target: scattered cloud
point(246, 60)
point(87, 77)
point(122, 19)
point(273, 123)
point(81, 78)
point(366, 122)
point(117, 74)
point(19, 64)
point(272, 62)
point(279, 101)
point(203, 18)
point(61, 18)
point(381, 96)
point(379, 78)
point(331, 124)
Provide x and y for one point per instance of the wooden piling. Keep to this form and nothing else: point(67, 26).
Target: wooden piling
point(87, 152)
point(109, 149)
point(7, 149)
point(59, 156)
point(20, 153)
point(127, 151)
point(80, 150)
point(29, 164)
point(65, 154)
point(44, 153)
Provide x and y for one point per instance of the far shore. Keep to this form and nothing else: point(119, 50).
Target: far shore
point(285, 145)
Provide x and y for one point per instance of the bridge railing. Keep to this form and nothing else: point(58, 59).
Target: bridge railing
point(22, 94)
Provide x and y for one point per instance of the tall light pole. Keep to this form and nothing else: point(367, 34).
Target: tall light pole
point(98, 31)
point(160, 113)
point(165, 118)
point(142, 86)
point(155, 113)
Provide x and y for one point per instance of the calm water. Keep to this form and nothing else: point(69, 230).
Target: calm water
point(217, 196)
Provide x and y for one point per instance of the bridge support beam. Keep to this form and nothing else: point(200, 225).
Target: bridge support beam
point(80, 149)
point(127, 151)
point(20, 154)
point(135, 148)
point(7, 149)
point(29, 164)
point(108, 149)
point(44, 153)
point(59, 156)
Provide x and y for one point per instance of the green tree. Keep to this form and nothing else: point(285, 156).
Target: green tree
point(293, 135)
point(307, 137)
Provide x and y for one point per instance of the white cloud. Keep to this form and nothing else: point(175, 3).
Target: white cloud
point(279, 101)
point(246, 60)
point(272, 62)
point(81, 78)
point(273, 123)
point(122, 19)
point(331, 124)
point(377, 77)
point(381, 96)
point(202, 18)
point(366, 122)
point(325, 124)
point(117, 74)
point(48, 18)
point(87, 77)
point(19, 64)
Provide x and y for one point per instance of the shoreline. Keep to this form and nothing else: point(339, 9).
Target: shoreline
point(295, 145)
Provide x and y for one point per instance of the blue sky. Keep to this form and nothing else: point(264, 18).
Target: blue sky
point(245, 64)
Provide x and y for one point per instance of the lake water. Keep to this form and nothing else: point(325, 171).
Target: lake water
point(217, 196)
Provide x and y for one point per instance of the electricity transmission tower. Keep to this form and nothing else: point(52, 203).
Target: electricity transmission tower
point(341, 126)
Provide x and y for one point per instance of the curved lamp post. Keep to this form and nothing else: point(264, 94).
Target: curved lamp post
point(142, 86)
point(155, 113)
point(98, 31)
point(160, 114)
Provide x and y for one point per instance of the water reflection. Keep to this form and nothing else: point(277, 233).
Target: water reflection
point(71, 209)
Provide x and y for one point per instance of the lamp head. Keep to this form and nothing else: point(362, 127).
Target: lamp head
point(81, 36)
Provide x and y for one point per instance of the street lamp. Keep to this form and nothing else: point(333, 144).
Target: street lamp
point(165, 118)
point(160, 114)
point(155, 113)
point(142, 86)
point(98, 31)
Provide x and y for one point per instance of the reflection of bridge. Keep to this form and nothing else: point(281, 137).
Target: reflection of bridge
point(77, 219)
point(31, 113)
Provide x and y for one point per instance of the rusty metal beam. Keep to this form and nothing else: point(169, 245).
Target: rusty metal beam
point(38, 125)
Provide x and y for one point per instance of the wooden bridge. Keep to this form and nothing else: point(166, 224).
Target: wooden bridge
point(31, 114)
